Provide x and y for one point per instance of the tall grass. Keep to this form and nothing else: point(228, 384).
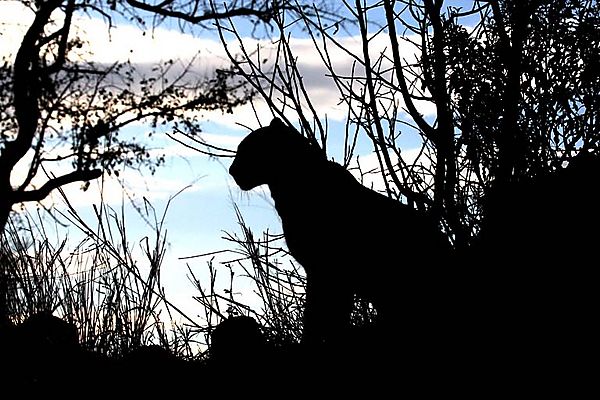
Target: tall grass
point(263, 266)
point(109, 288)
point(278, 282)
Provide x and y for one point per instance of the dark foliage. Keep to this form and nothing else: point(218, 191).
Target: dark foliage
point(68, 109)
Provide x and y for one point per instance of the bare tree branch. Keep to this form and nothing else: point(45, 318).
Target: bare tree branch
point(265, 14)
point(64, 40)
point(54, 183)
point(26, 90)
point(427, 130)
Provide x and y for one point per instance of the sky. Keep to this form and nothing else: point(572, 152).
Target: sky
point(203, 207)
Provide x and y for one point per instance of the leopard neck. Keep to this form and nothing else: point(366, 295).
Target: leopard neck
point(300, 188)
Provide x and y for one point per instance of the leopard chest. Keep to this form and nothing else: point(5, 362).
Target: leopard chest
point(313, 237)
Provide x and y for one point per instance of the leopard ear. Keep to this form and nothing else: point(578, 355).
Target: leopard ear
point(277, 123)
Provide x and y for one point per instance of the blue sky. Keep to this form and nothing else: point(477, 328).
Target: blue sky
point(198, 216)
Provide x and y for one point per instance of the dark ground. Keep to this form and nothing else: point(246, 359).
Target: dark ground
point(41, 357)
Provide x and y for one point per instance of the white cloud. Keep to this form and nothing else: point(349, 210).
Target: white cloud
point(15, 19)
point(131, 185)
point(128, 42)
point(227, 142)
point(120, 43)
point(113, 190)
point(322, 91)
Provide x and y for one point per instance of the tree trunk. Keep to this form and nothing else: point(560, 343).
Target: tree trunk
point(512, 142)
point(445, 174)
point(5, 208)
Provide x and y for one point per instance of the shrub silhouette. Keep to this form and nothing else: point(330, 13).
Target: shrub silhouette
point(237, 339)
point(535, 263)
point(38, 350)
point(349, 239)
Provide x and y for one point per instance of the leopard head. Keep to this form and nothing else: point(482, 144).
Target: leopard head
point(270, 154)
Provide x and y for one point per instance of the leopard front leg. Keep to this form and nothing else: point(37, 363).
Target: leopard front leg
point(328, 306)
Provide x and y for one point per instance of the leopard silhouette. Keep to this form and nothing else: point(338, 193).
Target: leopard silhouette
point(349, 239)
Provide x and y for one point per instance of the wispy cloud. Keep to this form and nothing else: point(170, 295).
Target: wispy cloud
point(223, 141)
point(129, 42)
point(129, 186)
point(183, 169)
point(15, 19)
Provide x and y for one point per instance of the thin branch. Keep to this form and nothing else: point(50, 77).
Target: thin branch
point(44, 191)
point(372, 99)
point(208, 153)
point(264, 15)
point(64, 40)
point(427, 130)
point(26, 89)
